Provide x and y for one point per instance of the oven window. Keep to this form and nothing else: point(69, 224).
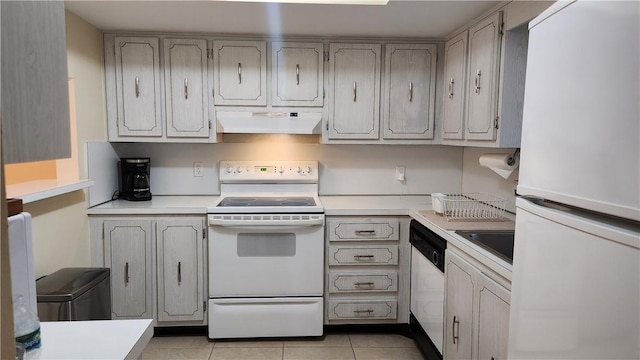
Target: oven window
point(264, 245)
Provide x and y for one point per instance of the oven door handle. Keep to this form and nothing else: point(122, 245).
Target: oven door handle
point(248, 224)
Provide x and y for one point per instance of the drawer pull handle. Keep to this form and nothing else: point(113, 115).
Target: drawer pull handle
point(368, 312)
point(451, 89)
point(364, 257)
point(369, 284)
point(477, 81)
point(410, 91)
point(365, 232)
point(297, 74)
point(179, 272)
point(126, 273)
point(186, 89)
point(137, 87)
point(239, 73)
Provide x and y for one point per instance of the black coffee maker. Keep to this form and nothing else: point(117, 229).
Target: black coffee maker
point(134, 174)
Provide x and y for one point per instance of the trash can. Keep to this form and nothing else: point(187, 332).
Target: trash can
point(75, 294)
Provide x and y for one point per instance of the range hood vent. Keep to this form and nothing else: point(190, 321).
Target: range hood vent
point(269, 122)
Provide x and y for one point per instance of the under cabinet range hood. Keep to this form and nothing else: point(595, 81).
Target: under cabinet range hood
point(269, 122)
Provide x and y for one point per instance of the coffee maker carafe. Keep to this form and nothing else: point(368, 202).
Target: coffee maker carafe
point(135, 178)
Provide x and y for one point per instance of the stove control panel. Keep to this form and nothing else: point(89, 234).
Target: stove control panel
point(269, 171)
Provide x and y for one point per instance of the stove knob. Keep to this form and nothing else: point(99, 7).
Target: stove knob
point(300, 170)
point(281, 170)
point(239, 170)
point(309, 169)
point(229, 169)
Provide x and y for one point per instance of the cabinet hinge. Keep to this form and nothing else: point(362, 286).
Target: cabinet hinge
point(326, 56)
point(496, 122)
point(327, 126)
point(323, 94)
point(204, 233)
point(209, 53)
point(209, 124)
point(501, 28)
point(204, 305)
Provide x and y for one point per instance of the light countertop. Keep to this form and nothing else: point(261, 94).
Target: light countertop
point(99, 339)
point(165, 205)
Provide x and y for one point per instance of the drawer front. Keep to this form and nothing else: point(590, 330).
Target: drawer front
point(363, 255)
point(362, 309)
point(343, 282)
point(363, 229)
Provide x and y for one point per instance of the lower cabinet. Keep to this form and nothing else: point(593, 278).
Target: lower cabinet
point(476, 312)
point(157, 267)
point(367, 270)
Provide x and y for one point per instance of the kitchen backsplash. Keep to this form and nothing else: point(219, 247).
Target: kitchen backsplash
point(344, 169)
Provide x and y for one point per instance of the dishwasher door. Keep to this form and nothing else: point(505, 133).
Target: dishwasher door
point(427, 282)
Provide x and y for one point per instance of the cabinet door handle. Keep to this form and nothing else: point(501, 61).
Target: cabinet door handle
point(453, 329)
point(361, 257)
point(126, 273)
point(367, 284)
point(451, 88)
point(179, 272)
point(239, 73)
point(478, 74)
point(297, 74)
point(355, 91)
point(137, 87)
point(410, 91)
point(365, 232)
point(186, 88)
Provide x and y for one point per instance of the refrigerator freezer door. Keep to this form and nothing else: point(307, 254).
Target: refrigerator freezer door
point(576, 286)
point(581, 134)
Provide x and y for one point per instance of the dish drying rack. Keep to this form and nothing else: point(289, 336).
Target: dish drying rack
point(469, 206)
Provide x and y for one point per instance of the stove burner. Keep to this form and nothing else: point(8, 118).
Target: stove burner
point(266, 201)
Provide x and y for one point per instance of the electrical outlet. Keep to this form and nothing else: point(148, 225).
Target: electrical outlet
point(400, 170)
point(197, 169)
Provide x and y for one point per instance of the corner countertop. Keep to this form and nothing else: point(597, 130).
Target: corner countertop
point(415, 206)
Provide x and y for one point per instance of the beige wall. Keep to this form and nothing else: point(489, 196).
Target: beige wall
point(60, 224)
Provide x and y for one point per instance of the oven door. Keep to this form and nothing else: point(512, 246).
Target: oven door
point(266, 255)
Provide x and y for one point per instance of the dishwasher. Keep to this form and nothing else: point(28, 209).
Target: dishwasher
point(427, 289)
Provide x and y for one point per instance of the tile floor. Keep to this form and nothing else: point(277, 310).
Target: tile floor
point(332, 347)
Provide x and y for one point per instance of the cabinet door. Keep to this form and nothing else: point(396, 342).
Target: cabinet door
point(483, 72)
point(35, 96)
point(297, 74)
point(493, 319)
point(354, 90)
point(455, 61)
point(185, 75)
point(127, 251)
point(138, 86)
point(409, 91)
point(240, 72)
point(458, 320)
point(180, 269)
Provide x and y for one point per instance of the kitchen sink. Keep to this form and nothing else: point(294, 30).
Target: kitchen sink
point(497, 242)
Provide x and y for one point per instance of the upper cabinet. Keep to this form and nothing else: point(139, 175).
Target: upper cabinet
point(35, 94)
point(157, 89)
point(185, 73)
point(455, 71)
point(138, 86)
point(297, 73)
point(482, 78)
point(240, 72)
point(408, 106)
point(354, 91)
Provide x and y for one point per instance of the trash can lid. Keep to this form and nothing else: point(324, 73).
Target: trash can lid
point(68, 283)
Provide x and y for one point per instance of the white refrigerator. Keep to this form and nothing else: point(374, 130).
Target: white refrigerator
point(576, 267)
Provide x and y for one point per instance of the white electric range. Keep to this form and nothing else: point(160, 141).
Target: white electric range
point(266, 251)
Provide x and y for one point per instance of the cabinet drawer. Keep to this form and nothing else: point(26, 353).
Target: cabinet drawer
point(362, 309)
point(342, 282)
point(363, 255)
point(363, 229)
